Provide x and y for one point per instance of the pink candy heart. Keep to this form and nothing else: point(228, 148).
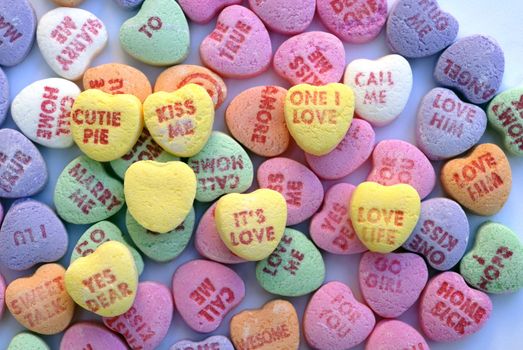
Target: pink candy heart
point(202, 11)
point(91, 335)
point(395, 335)
point(285, 17)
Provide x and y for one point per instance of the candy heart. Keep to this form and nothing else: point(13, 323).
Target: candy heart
point(381, 87)
point(199, 286)
point(42, 111)
point(85, 193)
point(22, 170)
point(129, 4)
point(480, 181)
point(222, 166)
point(495, 263)
point(288, 17)
point(395, 162)
point(50, 310)
point(277, 318)
point(31, 234)
point(158, 35)
point(476, 76)
point(260, 110)
point(447, 126)
point(180, 121)
point(353, 150)
point(331, 228)
point(441, 234)
point(316, 58)
point(26, 340)
point(334, 319)
point(159, 195)
point(302, 190)
point(239, 47)
point(418, 28)
point(218, 342)
point(318, 117)
point(146, 323)
point(294, 268)
point(2, 295)
point(450, 310)
point(251, 225)
point(105, 281)
point(392, 283)
point(69, 38)
point(4, 95)
point(395, 335)
point(17, 32)
point(204, 10)
point(90, 335)
point(384, 216)
point(504, 114)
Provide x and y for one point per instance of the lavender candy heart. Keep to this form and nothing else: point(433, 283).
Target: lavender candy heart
point(129, 4)
point(31, 234)
point(22, 169)
point(17, 30)
point(474, 66)
point(1, 213)
point(216, 342)
point(419, 28)
point(4, 95)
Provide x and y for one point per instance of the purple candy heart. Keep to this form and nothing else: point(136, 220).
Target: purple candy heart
point(4, 95)
point(1, 213)
point(129, 4)
point(91, 335)
point(216, 342)
point(17, 30)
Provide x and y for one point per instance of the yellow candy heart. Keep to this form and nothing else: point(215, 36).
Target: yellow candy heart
point(104, 126)
point(318, 117)
point(105, 281)
point(251, 225)
point(180, 121)
point(159, 196)
point(384, 216)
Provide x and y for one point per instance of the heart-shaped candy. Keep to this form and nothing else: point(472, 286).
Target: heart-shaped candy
point(288, 17)
point(91, 335)
point(480, 181)
point(204, 10)
point(4, 96)
point(395, 335)
point(17, 32)
point(216, 342)
point(26, 340)
point(505, 113)
point(2, 295)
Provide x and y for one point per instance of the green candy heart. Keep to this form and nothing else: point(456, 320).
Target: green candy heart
point(158, 34)
point(504, 114)
point(161, 247)
point(295, 267)
point(495, 263)
point(26, 341)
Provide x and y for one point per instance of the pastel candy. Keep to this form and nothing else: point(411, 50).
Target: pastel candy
point(69, 38)
point(504, 114)
point(4, 96)
point(205, 10)
point(381, 87)
point(68, 3)
point(441, 234)
point(239, 47)
point(85, 335)
point(335, 320)
point(85, 193)
point(18, 31)
point(129, 4)
point(291, 17)
point(25, 340)
point(302, 190)
point(31, 234)
point(446, 126)
point(477, 77)
point(395, 335)
point(495, 263)
point(200, 284)
point(218, 342)
point(418, 28)
point(2, 295)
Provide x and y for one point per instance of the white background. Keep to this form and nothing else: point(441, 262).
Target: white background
point(501, 19)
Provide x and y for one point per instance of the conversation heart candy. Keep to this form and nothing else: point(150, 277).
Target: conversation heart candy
point(69, 38)
point(85, 193)
point(495, 263)
point(17, 31)
point(251, 225)
point(204, 10)
point(447, 126)
point(239, 47)
point(22, 169)
point(395, 335)
point(217, 342)
point(381, 87)
point(42, 111)
point(352, 151)
point(441, 234)
point(334, 319)
point(25, 340)
point(146, 323)
point(159, 195)
point(315, 58)
point(2, 295)
point(318, 117)
point(294, 268)
point(356, 21)
point(90, 335)
point(504, 114)
point(384, 216)
point(477, 77)
point(450, 310)
point(480, 181)
point(260, 109)
point(419, 28)
point(50, 310)
point(292, 17)
point(395, 162)
point(4, 95)
point(392, 283)
point(331, 228)
point(31, 233)
point(274, 326)
point(104, 282)
point(302, 190)
point(222, 166)
point(68, 3)
point(129, 4)
point(205, 292)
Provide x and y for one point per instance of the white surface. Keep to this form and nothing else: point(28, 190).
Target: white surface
point(501, 19)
